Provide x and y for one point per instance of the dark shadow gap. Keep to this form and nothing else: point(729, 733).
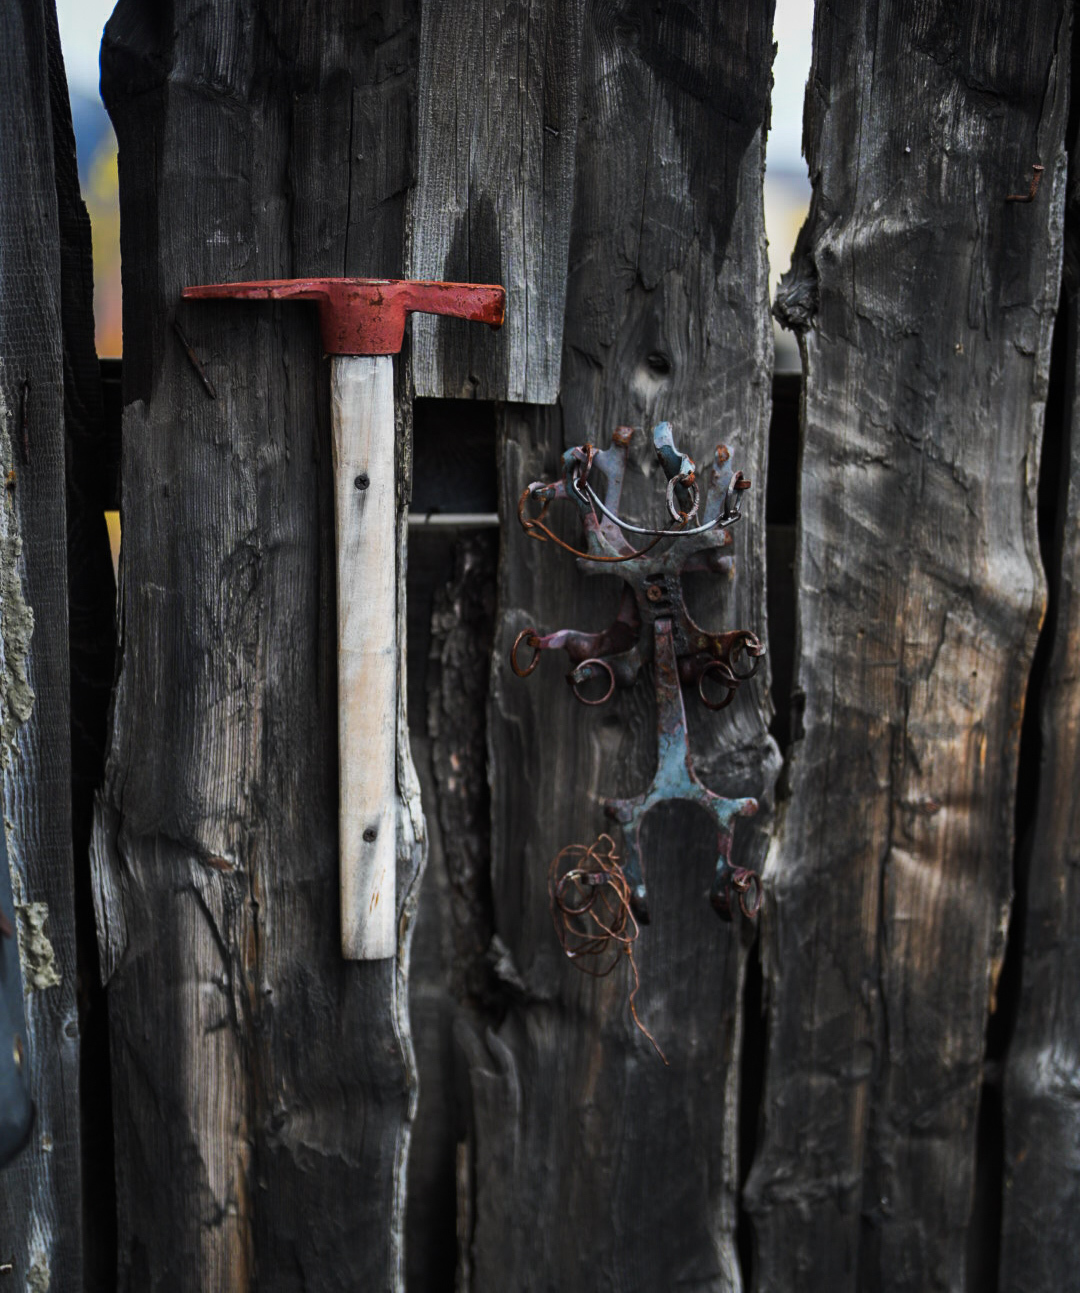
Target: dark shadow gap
point(450, 610)
point(781, 500)
point(454, 467)
point(751, 1084)
point(92, 489)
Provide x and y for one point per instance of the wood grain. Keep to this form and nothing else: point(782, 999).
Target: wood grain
point(263, 1085)
point(365, 511)
point(1042, 1127)
point(40, 1212)
point(498, 112)
point(924, 303)
point(606, 1167)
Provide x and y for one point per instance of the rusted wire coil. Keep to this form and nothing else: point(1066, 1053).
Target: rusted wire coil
point(590, 908)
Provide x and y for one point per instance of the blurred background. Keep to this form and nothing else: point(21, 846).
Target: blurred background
point(81, 23)
point(787, 184)
point(787, 187)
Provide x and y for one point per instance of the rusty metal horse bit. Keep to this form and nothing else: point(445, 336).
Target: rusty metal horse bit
point(654, 625)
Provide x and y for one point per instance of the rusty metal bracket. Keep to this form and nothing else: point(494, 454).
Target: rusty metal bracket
point(653, 626)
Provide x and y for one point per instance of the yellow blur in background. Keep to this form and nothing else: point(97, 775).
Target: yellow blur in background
point(102, 197)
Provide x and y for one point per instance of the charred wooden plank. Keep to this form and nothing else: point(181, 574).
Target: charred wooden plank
point(1041, 1221)
point(666, 318)
point(498, 111)
point(925, 302)
point(263, 1086)
point(40, 1199)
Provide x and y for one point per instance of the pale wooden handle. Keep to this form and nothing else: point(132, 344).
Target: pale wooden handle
point(362, 424)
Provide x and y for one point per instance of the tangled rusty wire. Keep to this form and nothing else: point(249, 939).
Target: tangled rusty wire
point(590, 906)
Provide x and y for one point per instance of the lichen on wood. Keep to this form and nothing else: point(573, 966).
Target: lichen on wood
point(16, 615)
point(35, 950)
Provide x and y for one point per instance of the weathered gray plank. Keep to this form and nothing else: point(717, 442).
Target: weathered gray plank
point(498, 112)
point(40, 1204)
point(925, 303)
point(262, 1085)
point(1041, 1222)
point(607, 1168)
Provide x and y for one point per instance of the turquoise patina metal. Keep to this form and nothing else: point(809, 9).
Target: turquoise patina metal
point(654, 626)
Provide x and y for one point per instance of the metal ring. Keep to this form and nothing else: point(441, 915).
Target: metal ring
point(611, 686)
point(750, 645)
point(730, 681)
point(747, 882)
point(528, 636)
point(695, 499)
point(577, 877)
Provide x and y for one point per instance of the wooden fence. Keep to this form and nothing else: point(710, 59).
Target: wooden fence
point(873, 1088)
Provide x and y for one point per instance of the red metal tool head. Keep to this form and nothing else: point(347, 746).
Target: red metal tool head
point(366, 316)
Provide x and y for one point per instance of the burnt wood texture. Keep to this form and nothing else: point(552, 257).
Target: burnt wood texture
point(1042, 1115)
point(40, 255)
point(605, 161)
point(603, 1165)
point(262, 1085)
point(924, 301)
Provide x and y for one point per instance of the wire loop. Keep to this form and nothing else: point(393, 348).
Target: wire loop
point(535, 528)
point(594, 922)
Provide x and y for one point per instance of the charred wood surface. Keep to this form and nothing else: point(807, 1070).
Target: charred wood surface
point(1041, 1221)
point(600, 1163)
point(40, 1197)
point(925, 302)
point(262, 1085)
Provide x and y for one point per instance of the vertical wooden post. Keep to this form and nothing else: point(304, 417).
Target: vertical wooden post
point(1041, 1204)
point(924, 301)
point(40, 1201)
point(263, 1085)
point(602, 1163)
